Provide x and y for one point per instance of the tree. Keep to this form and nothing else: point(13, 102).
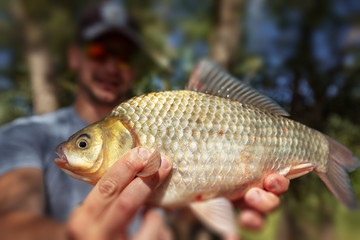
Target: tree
point(226, 36)
point(40, 65)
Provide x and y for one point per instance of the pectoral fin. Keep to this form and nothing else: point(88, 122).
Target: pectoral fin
point(217, 214)
point(153, 165)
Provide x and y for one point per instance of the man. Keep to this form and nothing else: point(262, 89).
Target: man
point(39, 201)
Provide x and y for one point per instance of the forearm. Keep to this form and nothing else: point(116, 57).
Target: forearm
point(27, 225)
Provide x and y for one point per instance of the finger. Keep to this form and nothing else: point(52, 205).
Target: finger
point(125, 206)
point(276, 183)
point(260, 200)
point(116, 179)
point(251, 219)
point(153, 227)
point(166, 234)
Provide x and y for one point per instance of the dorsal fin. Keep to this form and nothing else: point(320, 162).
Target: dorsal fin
point(209, 78)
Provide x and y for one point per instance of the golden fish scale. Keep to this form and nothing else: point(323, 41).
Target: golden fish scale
point(217, 145)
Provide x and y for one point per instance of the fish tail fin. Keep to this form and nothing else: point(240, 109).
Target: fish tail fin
point(341, 160)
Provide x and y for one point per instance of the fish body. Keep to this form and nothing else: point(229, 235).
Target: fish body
point(222, 138)
point(218, 147)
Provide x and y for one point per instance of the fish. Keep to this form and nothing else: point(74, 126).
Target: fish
point(222, 137)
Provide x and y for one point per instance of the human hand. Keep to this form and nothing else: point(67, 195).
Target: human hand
point(111, 205)
point(153, 227)
point(258, 202)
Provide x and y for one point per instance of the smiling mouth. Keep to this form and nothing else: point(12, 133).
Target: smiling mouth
point(109, 82)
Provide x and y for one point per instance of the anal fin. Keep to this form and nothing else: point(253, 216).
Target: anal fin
point(218, 215)
point(299, 170)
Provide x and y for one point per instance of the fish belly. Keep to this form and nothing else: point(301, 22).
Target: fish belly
point(218, 147)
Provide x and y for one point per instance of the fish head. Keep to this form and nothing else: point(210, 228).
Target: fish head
point(87, 154)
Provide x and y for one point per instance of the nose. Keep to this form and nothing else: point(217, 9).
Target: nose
point(111, 65)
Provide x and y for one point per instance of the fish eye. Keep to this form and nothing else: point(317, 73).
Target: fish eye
point(82, 144)
point(83, 141)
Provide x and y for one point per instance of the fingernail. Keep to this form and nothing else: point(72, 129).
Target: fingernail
point(164, 163)
point(274, 185)
point(253, 196)
point(144, 153)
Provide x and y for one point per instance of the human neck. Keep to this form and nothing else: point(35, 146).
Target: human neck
point(91, 112)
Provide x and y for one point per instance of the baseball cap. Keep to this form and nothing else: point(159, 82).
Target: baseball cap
point(104, 18)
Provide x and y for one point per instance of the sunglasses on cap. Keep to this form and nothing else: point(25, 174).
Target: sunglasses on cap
point(100, 53)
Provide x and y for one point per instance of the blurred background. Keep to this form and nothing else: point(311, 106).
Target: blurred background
point(304, 54)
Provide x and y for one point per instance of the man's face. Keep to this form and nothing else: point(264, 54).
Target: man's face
point(105, 70)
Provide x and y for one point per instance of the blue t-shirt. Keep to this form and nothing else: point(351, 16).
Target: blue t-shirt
point(30, 143)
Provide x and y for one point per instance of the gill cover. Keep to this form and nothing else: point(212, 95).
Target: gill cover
point(118, 140)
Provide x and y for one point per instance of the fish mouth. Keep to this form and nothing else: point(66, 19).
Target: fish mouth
point(61, 161)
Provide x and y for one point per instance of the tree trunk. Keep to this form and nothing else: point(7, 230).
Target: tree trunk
point(44, 87)
point(227, 31)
